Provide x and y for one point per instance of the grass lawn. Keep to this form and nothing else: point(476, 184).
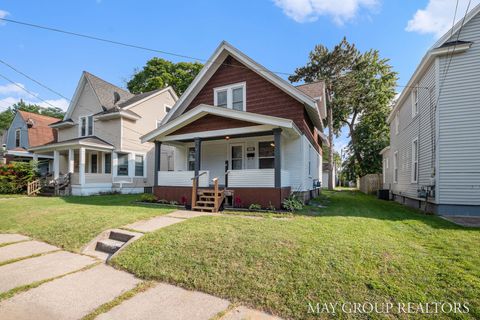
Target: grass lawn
point(358, 249)
point(71, 222)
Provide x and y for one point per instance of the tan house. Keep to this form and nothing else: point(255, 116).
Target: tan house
point(99, 138)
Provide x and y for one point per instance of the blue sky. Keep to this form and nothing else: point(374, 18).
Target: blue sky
point(278, 34)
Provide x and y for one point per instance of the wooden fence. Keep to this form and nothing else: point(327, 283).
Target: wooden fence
point(371, 183)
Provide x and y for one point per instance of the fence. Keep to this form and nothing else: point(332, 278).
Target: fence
point(371, 183)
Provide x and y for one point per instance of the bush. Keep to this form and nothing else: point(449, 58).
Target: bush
point(292, 203)
point(254, 207)
point(15, 176)
point(148, 197)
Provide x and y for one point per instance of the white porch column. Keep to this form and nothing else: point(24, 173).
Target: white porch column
point(56, 164)
point(70, 161)
point(35, 157)
point(81, 166)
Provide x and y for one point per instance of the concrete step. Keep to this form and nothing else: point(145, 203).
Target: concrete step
point(109, 245)
point(120, 236)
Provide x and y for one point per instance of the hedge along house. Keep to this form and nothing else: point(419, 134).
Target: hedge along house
point(99, 138)
point(434, 153)
point(237, 122)
point(26, 131)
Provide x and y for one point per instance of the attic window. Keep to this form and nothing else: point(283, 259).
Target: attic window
point(17, 138)
point(232, 96)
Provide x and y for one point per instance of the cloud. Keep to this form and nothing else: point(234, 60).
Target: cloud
point(10, 88)
point(311, 10)
point(437, 17)
point(3, 14)
point(11, 94)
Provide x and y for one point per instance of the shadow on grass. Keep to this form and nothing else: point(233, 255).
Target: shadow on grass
point(126, 200)
point(351, 203)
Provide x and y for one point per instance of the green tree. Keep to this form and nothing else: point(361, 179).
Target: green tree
point(159, 73)
point(7, 115)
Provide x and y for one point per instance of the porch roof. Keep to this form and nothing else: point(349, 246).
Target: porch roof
point(261, 123)
point(91, 142)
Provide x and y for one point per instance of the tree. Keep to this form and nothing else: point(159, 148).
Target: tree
point(159, 73)
point(7, 115)
point(331, 66)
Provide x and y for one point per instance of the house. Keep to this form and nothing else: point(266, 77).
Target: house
point(325, 175)
point(99, 138)
point(256, 134)
point(434, 155)
point(29, 130)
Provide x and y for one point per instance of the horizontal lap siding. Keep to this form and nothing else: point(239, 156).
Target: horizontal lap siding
point(459, 120)
point(422, 127)
point(262, 96)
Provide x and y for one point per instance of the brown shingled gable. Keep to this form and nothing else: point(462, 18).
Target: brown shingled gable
point(40, 133)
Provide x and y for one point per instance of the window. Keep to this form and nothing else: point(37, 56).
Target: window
point(266, 155)
point(86, 126)
point(414, 102)
point(108, 163)
point(397, 124)
point(395, 167)
point(385, 169)
point(415, 160)
point(18, 136)
point(309, 160)
point(122, 166)
point(191, 159)
point(231, 97)
point(139, 165)
point(167, 108)
point(94, 163)
point(236, 157)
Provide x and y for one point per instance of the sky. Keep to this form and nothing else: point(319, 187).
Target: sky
point(279, 34)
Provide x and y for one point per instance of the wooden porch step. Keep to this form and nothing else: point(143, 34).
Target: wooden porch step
point(206, 202)
point(198, 208)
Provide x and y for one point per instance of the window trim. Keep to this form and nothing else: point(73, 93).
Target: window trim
point(395, 167)
point(414, 161)
point(135, 165)
point(19, 131)
point(229, 88)
point(86, 126)
point(118, 164)
point(415, 110)
point(230, 159)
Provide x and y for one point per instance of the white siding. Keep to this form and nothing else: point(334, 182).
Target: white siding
point(422, 127)
point(182, 178)
point(459, 122)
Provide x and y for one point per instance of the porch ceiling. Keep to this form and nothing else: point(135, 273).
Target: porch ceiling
point(245, 123)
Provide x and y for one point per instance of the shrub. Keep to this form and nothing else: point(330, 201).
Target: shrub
point(254, 206)
point(292, 203)
point(15, 176)
point(148, 197)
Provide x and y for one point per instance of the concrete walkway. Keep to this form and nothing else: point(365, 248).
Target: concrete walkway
point(76, 285)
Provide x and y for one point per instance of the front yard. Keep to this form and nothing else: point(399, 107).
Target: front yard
point(358, 249)
point(70, 222)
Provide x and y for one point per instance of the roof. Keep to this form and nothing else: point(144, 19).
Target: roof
point(441, 47)
point(138, 97)
point(222, 51)
point(87, 141)
point(314, 90)
point(105, 91)
point(39, 133)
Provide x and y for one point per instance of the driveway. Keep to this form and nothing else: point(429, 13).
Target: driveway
point(40, 281)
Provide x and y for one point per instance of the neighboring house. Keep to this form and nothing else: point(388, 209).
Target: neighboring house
point(238, 122)
point(325, 175)
point(29, 130)
point(99, 137)
point(434, 152)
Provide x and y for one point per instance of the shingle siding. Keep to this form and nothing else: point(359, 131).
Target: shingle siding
point(459, 122)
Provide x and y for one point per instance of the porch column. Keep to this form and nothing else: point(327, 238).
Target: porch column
point(198, 147)
point(158, 155)
point(35, 157)
point(70, 161)
point(277, 140)
point(56, 164)
point(81, 166)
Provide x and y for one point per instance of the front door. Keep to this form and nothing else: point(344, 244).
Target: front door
point(237, 159)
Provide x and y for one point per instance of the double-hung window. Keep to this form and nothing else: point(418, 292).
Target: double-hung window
point(395, 167)
point(231, 96)
point(191, 159)
point(108, 163)
point(18, 135)
point(122, 165)
point(86, 126)
point(139, 164)
point(415, 160)
point(266, 155)
point(414, 102)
